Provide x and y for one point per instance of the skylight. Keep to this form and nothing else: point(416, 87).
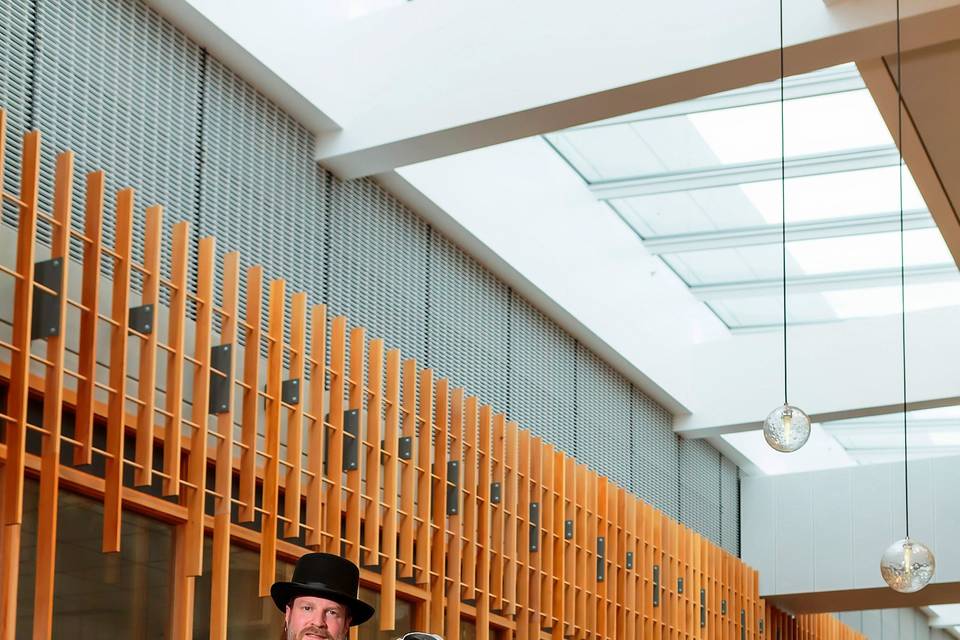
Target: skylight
point(700, 184)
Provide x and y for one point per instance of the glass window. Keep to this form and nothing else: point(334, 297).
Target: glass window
point(98, 595)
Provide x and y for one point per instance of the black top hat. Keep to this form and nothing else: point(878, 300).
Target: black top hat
point(324, 575)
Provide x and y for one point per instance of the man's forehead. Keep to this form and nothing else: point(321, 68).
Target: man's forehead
point(316, 601)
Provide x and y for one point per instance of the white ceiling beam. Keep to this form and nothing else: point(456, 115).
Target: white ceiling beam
point(796, 231)
point(436, 78)
point(824, 282)
point(837, 370)
point(940, 622)
point(742, 173)
point(432, 78)
point(823, 82)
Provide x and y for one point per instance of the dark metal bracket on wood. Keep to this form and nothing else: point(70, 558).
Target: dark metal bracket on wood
point(290, 391)
point(453, 488)
point(656, 585)
point(351, 439)
point(45, 318)
point(703, 608)
point(601, 558)
point(495, 493)
point(534, 526)
point(629, 559)
point(221, 377)
point(568, 529)
point(140, 319)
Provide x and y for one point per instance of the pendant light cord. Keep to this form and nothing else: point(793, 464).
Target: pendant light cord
point(903, 287)
point(783, 208)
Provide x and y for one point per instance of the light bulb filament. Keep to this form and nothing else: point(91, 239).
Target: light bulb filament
point(787, 424)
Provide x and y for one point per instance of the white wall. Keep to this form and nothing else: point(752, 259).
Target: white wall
point(825, 530)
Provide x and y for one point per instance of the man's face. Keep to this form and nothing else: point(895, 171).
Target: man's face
point(310, 618)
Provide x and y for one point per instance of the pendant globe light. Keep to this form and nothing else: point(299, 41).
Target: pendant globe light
point(906, 565)
point(786, 428)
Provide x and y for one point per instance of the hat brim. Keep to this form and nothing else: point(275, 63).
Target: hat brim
point(283, 592)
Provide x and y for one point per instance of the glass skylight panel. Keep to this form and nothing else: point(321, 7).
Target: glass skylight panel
point(767, 311)
point(816, 125)
point(835, 195)
point(843, 254)
point(879, 301)
point(931, 432)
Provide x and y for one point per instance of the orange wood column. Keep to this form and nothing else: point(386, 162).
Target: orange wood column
point(200, 409)
point(372, 463)
point(391, 470)
point(438, 545)
point(455, 549)
point(175, 358)
point(252, 324)
point(146, 385)
point(356, 390)
point(318, 376)
point(52, 408)
point(89, 300)
point(483, 523)
point(271, 476)
point(408, 477)
point(423, 456)
point(338, 374)
point(119, 321)
point(294, 462)
point(223, 474)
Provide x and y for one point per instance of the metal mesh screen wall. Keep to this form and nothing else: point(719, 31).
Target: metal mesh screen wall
point(700, 487)
point(656, 466)
point(17, 24)
point(543, 367)
point(377, 266)
point(469, 324)
point(730, 506)
point(118, 84)
point(603, 417)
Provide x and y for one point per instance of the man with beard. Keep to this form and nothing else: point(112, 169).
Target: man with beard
point(320, 601)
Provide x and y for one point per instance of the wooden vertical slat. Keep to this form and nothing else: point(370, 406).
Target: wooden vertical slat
point(371, 519)
point(388, 568)
point(271, 474)
point(438, 545)
point(175, 341)
point(536, 557)
point(182, 588)
point(408, 477)
point(483, 523)
point(454, 555)
point(223, 478)
point(545, 554)
point(338, 373)
point(570, 547)
point(580, 536)
point(153, 232)
point(470, 480)
point(497, 523)
point(252, 318)
point(89, 299)
point(603, 488)
point(298, 356)
point(510, 504)
point(116, 407)
point(524, 576)
point(52, 409)
point(557, 573)
point(315, 452)
point(355, 400)
point(423, 455)
point(200, 409)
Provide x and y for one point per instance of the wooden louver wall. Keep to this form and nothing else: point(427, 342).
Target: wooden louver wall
point(462, 512)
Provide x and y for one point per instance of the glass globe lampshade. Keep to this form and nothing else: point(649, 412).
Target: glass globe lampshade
point(786, 429)
point(907, 565)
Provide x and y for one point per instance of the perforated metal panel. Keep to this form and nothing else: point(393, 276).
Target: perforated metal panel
point(603, 417)
point(120, 86)
point(17, 21)
point(729, 506)
point(377, 272)
point(262, 193)
point(655, 454)
point(700, 487)
point(469, 324)
point(543, 361)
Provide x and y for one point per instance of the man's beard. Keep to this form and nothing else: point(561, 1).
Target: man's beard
point(316, 631)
